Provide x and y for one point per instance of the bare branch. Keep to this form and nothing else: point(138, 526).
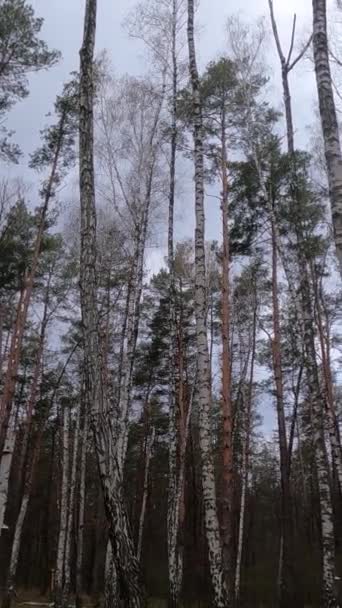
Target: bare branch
point(332, 54)
point(292, 39)
point(301, 54)
point(275, 33)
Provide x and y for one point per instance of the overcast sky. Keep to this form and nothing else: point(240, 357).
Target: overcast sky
point(63, 24)
point(63, 30)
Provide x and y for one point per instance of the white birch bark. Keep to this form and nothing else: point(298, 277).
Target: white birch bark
point(245, 461)
point(71, 505)
point(82, 495)
point(330, 128)
point(19, 524)
point(174, 566)
point(204, 381)
point(63, 514)
point(126, 564)
point(5, 465)
point(149, 451)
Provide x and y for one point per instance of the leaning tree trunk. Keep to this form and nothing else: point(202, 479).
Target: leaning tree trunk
point(204, 381)
point(123, 550)
point(327, 109)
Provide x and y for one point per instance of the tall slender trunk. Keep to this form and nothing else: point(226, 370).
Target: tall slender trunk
point(204, 381)
point(149, 450)
point(327, 109)
point(6, 463)
point(126, 564)
point(286, 582)
point(63, 511)
point(333, 427)
point(329, 599)
point(245, 463)
point(1, 338)
point(227, 447)
point(82, 496)
point(172, 511)
point(111, 591)
point(133, 321)
point(71, 508)
point(305, 303)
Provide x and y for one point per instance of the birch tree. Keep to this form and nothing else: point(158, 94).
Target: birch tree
point(204, 383)
point(63, 514)
point(125, 560)
point(247, 392)
point(327, 109)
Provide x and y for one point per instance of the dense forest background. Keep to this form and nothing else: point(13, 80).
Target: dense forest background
point(170, 402)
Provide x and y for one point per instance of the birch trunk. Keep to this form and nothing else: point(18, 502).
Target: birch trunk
point(5, 465)
point(330, 128)
point(82, 494)
point(334, 432)
point(126, 564)
point(245, 465)
point(133, 319)
point(172, 513)
point(71, 509)
point(204, 383)
point(286, 583)
point(1, 339)
point(227, 439)
point(16, 543)
point(329, 599)
point(111, 592)
point(63, 512)
point(149, 450)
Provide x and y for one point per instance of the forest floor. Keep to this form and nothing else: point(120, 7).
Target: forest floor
point(34, 599)
point(26, 599)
